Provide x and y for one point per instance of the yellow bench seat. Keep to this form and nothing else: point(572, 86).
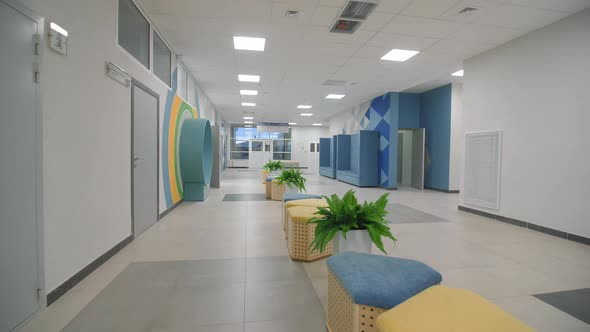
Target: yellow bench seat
point(445, 309)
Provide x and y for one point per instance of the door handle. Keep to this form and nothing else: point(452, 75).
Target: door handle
point(135, 160)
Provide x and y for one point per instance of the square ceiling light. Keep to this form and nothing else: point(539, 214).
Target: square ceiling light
point(305, 107)
point(249, 104)
point(306, 114)
point(292, 123)
point(399, 55)
point(248, 122)
point(248, 78)
point(334, 96)
point(249, 92)
point(249, 43)
point(248, 118)
point(458, 73)
point(316, 124)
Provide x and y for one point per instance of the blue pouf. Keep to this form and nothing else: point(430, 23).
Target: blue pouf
point(294, 197)
point(367, 285)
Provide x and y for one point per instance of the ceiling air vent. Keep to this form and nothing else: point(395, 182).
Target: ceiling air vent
point(353, 15)
point(334, 83)
point(467, 11)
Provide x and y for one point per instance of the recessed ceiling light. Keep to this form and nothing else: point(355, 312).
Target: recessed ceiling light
point(399, 55)
point(249, 104)
point(292, 123)
point(306, 114)
point(305, 107)
point(458, 73)
point(248, 122)
point(249, 92)
point(248, 118)
point(334, 96)
point(248, 78)
point(249, 43)
point(316, 124)
point(248, 126)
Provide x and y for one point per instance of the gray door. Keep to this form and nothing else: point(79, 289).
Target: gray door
point(418, 148)
point(19, 276)
point(145, 157)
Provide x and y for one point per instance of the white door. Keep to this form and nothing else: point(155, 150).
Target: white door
point(313, 157)
point(144, 157)
point(418, 148)
point(260, 152)
point(19, 180)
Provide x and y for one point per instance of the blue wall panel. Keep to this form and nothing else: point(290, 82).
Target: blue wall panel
point(378, 118)
point(409, 110)
point(435, 116)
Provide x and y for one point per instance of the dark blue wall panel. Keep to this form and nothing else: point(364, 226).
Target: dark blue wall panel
point(435, 116)
point(409, 110)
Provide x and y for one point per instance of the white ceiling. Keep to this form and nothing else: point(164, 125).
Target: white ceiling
point(301, 53)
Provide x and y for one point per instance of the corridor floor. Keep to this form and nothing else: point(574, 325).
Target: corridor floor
point(223, 265)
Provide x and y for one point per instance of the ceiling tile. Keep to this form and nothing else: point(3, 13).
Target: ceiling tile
point(570, 6)
point(518, 17)
point(392, 6)
point(421, 27)
point(429, 8)
point(401, 41)
point(376, 21)
point(324, 16)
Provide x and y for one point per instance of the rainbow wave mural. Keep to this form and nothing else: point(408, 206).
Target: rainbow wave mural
point(176, 110)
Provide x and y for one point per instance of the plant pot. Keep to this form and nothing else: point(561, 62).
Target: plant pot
point(264, 176)
point(289, 190)
point(357, 241)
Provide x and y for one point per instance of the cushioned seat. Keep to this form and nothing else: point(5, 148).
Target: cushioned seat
point(293, 196)
point(445, 309)
point(313, 202)
point(362, 286)
point(381, 281)
point(301, 234)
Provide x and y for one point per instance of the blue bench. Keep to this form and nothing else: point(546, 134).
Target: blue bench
point(328, 156)
point(358, 158)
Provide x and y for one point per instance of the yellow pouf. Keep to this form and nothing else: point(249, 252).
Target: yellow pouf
point(313, 202)
point(445, 309)
point(264, 176)
point(300, 234)
point(277, 191)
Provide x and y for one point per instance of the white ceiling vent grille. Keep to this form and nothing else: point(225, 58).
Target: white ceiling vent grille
point(353, 15)
point(334, 83)
point(467, 11)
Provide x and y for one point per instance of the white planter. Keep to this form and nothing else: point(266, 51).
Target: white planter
point(293, 190)
point(357, 241)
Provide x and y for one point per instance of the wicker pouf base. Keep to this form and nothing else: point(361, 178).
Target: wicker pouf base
point(277, 191)
point(300, 234)
point(343, 315)
point(264, 176)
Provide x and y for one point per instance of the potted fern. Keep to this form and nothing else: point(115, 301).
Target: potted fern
point(351, 225)
point(292, 179)
point(269, 167)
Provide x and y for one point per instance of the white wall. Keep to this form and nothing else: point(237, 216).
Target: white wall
point(300, 138)
point(406, 158)
point(86, 137)
point(532, 88)
point(457, 137)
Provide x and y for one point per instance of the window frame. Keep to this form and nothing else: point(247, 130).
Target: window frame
point(159, 35)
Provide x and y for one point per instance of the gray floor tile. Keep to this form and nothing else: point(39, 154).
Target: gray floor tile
point(244, 197)
point(574, 302)
point(307, 325)
point(401, 214)
point(279, 268)
point(282, 300)
point(217, 271)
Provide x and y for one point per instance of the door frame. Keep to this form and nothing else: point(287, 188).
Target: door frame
point(40, 20)
point(136, 83)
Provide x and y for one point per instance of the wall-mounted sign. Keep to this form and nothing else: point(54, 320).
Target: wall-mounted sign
point(58, 38)
point(118, 74)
